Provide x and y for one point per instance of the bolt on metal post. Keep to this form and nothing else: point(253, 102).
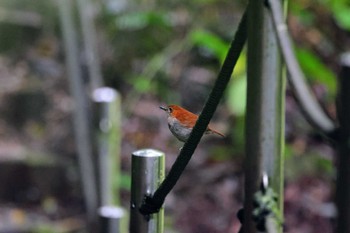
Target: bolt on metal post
point(146, 175)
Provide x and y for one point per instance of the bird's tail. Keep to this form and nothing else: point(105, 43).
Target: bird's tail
point(216, 132)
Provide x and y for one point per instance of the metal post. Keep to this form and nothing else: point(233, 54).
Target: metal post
point(111, 219)
point(109, 117)
point(146, 175)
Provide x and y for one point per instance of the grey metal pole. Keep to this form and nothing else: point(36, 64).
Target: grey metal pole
point(111, 219)
point(109, 141)
point(146, 175)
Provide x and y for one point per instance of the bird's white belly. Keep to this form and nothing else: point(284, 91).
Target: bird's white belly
point(180, 132)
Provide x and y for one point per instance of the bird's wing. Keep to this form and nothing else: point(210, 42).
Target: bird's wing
point(187, 118)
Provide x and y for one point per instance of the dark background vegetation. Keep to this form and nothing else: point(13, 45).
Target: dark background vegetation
point(156, 53)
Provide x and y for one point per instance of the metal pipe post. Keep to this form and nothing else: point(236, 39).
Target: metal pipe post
point(109, 141)
point(111, 219)
point(146, 175)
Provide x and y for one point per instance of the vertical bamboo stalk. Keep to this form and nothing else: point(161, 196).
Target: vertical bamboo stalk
point(109, 123)
point(343, 147)
point(146, 175)
point(253, 112)
point(265, 110)
point(81, 125)
point(273, 112)
point(86, 12)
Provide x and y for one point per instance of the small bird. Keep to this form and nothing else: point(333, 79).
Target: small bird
point(182, 121)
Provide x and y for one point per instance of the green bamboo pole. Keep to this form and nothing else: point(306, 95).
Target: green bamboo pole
point(273, 112)
point(265, 111)
point(253, 158)
point(81, 124)
point(86, 13)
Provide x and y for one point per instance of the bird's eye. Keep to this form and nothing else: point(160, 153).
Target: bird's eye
point(170, 110)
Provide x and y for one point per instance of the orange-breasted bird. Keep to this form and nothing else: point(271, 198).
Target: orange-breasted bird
point(182, 121)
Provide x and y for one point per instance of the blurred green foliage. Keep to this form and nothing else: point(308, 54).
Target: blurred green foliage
point(23, 21)
point(199, 33)
point(340, 10)
point(316, 70)
point(125, 181)
point(142, 19)
point(149, 45)
point(323, 27)
point(310, 163)
point(210, 42)
point(237, 99)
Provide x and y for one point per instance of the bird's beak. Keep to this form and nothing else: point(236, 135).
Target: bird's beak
point(163, 108)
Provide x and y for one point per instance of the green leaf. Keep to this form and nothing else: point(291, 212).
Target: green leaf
point(240, 67)
point(342, 16)
point(211, 42)
point(237, 95)
point(315, 70)
point(141, 84)
point(125, 181)
point(237, 89)
point(140, 20)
